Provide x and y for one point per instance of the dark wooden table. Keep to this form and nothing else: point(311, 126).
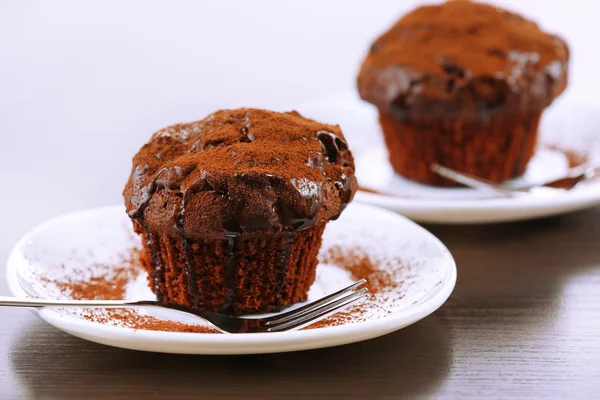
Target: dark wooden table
point(524, 321)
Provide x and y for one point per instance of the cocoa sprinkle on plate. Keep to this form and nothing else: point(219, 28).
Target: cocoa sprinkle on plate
point(109, 282)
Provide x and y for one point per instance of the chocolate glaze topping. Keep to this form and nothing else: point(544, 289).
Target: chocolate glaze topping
point(239, 173)
point(463, 58)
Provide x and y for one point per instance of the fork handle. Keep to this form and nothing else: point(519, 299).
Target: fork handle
point(25, 302)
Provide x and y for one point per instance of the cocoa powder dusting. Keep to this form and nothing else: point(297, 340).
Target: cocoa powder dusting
point(245, 171)
point(361, 266)
point(109, 282)
point(457, 49)
point(341, 318)
point(130, 319)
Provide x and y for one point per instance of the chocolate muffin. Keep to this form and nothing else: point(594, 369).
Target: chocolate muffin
point(231, 208)
point(463, 85)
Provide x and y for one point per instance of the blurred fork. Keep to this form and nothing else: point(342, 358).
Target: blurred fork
point(295, 319)
point(572, 178)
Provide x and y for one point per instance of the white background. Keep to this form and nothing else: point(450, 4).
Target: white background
point(83, 84)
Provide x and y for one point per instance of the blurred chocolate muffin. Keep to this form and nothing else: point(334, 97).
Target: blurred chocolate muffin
point(463, 85)
point(231, 208)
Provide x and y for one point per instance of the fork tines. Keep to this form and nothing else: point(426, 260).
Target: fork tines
point(317, 310)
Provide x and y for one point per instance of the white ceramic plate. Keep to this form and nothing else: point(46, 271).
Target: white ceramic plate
point(81, 246)
point(566, 125)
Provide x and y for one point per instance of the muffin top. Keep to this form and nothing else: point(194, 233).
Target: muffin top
point(240, 172)
point(461, 56)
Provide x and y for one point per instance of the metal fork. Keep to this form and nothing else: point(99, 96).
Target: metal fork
point(295, 319)
point(573, 177)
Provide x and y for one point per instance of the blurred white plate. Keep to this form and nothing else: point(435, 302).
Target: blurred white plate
point(77, 246)
point(566, 125)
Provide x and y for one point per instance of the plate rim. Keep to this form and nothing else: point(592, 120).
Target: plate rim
point(328, 336)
